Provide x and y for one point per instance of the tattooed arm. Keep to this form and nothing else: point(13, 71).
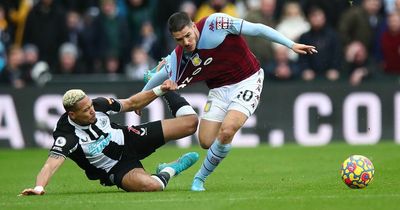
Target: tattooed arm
point(54, 161)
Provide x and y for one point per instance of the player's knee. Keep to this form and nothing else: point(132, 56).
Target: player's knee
point(226, 134)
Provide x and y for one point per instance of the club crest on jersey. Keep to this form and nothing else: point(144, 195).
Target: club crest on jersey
point(196, 60)
point(103, 122)
point(223, 23)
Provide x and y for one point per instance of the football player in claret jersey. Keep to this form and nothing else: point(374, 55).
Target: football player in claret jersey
point(110, 152)
point(213, 50)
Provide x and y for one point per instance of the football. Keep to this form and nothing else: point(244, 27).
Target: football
point(357, 171)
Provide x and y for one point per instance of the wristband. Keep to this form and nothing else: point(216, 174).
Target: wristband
point(38, 188)
point(157, 90)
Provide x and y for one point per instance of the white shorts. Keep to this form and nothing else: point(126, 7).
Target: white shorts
point(243, 97)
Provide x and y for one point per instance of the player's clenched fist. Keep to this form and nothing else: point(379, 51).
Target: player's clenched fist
point(168, 85)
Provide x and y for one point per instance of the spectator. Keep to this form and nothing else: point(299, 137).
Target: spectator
point(149, 40)
point(139, 12)
point(293, 24)
point(262, 48)
point(110, 35)
point(397, 6)
point(363, 23)
point(391, 45)
point(281, 67)
point(78, 5)
point(75, 27)
point(46, 28)
point(190, 8)
point(390, 6)
point(69, 62)
point(38, 70)
point(212, 6)
point(112, 65)
point(358, 64)
point(13, 73)
point(6, 28)
point(140, 63)
point(332, 8)
point(326, 63)
point(3, 57)
point(160, 24)
point(31, 55)
point(87, 45)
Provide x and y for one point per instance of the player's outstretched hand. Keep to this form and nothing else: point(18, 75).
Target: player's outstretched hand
point(168, 85)
point(304, 49)
point(31, 191)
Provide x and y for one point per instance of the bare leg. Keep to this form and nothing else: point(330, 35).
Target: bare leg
point(220, 147)
point(208, 131)
point(179, 127)
point(138, 180)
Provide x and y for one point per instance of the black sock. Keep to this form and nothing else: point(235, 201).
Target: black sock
point(164, 177)
point(174, 101)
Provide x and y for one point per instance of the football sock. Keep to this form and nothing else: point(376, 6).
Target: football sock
point(215, 154)
point(162, 178)
point(169, 170)
point(177, 104)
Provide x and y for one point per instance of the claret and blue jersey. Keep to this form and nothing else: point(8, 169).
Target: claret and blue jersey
point(221, 57)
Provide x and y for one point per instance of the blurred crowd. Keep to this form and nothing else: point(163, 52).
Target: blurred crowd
point(356, 40)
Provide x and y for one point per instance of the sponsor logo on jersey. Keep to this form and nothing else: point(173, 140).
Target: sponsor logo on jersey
point(223, 23)
point(98, 146)
point(60, 141)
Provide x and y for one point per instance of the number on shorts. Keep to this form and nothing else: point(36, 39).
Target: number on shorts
point(247, 95)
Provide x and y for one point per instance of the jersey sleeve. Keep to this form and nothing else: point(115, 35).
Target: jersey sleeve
point(266, 32)
point(64, 145)
point(107, 105)
point(225, 23)
point(168, 71)
point(215, 29)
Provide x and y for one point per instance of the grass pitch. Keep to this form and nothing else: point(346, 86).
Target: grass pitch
point(290, 177)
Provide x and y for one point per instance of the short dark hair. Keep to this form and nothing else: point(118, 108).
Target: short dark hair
point(178, 21)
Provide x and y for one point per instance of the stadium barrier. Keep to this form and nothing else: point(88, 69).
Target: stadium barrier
point(309, 114)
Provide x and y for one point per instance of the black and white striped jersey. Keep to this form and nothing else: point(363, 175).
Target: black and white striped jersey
point(96, 148)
